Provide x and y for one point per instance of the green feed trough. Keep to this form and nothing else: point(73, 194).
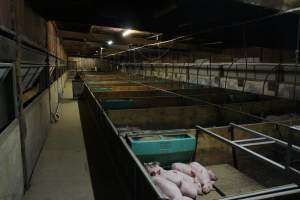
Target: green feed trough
point(118, 104)
point(165, 149)
point(102, 89)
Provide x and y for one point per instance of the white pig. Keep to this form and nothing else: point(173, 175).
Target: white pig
point(186, 177)
point(212, 175)
point(184, 168)
point(177, 177)
point(197, 166)
point(166, 187)
point(172, 175)
point(153, 168)
point(202, 174)
point(189, 189)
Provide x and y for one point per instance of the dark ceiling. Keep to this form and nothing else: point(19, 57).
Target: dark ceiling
point(212, 20)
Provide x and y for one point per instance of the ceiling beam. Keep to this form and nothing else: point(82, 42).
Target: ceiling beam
point(103, 38)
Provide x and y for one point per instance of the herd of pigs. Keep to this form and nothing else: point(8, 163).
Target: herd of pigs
point(183, 181)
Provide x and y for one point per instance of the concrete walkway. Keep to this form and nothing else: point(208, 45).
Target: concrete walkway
point(62, 171)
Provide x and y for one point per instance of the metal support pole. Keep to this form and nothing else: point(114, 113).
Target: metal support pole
point(210, 81)
point(289, 150)
point(198, 76)
point(234, 159)
point(197, 140)
point(297, 60)
point(246, 59)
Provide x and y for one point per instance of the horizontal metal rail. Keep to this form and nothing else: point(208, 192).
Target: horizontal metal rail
point(6, 64)
point(249, 140)
point(257, 143)
point(267, 193)
point(199, 65)
point(238, 146)
point(277, 141)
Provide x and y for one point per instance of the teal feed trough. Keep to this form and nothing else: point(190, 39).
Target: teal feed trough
point(102, 89)
point(165, 149)
point(118, 104)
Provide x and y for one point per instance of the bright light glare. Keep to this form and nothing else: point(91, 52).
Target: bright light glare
point(127, 32)
point(110, 42)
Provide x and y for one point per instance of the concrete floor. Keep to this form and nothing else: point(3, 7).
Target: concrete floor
point(62, 171)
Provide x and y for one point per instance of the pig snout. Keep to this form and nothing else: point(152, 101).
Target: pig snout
point(212, 175)
point(153, 168)
point(207, 188)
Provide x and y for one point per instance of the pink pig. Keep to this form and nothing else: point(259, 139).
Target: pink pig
point(189, 189)
point(153, 168)
point(184, 168)
point(166, 187)
point(204, 178)
point(172, 175)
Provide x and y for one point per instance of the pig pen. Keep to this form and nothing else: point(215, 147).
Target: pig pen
point(143, 96)
point(108, 150)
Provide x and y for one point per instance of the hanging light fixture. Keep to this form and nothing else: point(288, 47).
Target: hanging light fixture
point(110, 42)
point(127, 32)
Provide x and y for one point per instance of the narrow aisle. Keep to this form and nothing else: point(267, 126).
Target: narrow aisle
point(62, 171)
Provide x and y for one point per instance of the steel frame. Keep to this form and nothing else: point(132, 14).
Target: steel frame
point(261, 139)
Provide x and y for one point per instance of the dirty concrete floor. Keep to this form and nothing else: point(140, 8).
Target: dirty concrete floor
point(62, 171)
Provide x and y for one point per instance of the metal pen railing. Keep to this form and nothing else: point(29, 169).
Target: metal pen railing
point(260, 139)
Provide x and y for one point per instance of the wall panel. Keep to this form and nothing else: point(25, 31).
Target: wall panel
point(11, 167)
point(37, 120)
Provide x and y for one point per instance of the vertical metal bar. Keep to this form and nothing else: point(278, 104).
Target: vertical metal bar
point(297, 60)
point(289, 150)
point(197, 140)
point(15, 92)
point(210, 82)
point(134, 182)
point(246, 59)
point(166, 72)
point(198, 76)
point(234, 158)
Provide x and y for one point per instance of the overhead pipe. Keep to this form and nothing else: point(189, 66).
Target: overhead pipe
point(294, 10)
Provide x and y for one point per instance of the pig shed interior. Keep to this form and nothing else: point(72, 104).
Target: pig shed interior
point(149, 100)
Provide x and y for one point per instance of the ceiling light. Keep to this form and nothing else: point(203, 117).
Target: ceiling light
point(110, 42)
point(127, 32)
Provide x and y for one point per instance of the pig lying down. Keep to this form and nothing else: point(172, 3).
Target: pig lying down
point(167, 188)
point(183, 182)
